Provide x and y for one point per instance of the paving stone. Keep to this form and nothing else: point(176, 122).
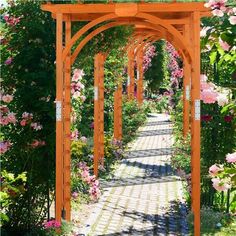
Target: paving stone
point(140, 199)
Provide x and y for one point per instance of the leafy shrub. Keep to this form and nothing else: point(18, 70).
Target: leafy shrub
point(132, 117)
point(214, 223)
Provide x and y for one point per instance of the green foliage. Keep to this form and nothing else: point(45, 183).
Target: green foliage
point(132, 117)
point(12, 187)
point(218, 137)
point(157, 75)
point(30, 77)
point(214, 223)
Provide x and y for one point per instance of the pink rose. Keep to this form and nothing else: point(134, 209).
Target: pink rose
point(224, 45)
point(83, 98)
point(218, 12)
point(76, 94)
point(23, 123)
point(209, 96)
point(75, 195)
point(4, 109)
point(36, 126)
point(7, 98)
point(4, 146)
point(74, 135)
point(8, 61)
point(214, 169)
point(220, 185)
point(11, 118)
point(27, 116)
point(232, 20)
point(203, 78)
point(231, 158)
point(4, 120)
point(83, 139)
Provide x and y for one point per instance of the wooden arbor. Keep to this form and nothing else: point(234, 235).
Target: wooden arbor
point(170, 21)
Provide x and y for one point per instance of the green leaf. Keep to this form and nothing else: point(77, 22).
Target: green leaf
point(213, 57)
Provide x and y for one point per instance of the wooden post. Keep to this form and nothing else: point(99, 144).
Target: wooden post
point(140, 77)
point(101, 108)
point(96, 114)
point(67, 142)
point(59, 117)
point(186, 84)
point(118, 113)
point(130, 82)
point(195, 122)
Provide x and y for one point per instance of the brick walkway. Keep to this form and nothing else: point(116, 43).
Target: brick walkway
point(145, 198)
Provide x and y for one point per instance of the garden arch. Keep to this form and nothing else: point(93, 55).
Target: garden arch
point(159, 15)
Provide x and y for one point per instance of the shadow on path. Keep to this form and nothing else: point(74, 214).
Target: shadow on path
point(171, 221)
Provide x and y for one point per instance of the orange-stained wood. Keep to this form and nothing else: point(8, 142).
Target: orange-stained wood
point(102, 58)
point(153, 21)
point(59, 114)
point(140, 77)
point(130, 80)
point(186, 90)
point(195, 122)
point(67, 143)
point(118, 113)
point(96, 114)
point(180, 7)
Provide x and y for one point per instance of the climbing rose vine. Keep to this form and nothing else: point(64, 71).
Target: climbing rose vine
point(77, 100)
point(147, 58)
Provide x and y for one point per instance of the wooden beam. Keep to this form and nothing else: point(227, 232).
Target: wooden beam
point(140, 76)
point(96, 115)
point(59, 118)
point(186, 89)
point(67, 142)
point(101, 107)
point(195, 121)
point(118, 112)
point(111, 8)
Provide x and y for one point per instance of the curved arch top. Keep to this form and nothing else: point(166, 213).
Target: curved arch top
point(167, 31)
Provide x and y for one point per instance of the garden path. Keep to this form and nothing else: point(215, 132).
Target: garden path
point(145, 197)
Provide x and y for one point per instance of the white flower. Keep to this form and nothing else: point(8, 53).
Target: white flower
point(222, 100)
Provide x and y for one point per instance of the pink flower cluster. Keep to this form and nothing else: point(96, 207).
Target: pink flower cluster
point(91, 180)
point(175, 70)
point(219, 8)
point(215, 169)
point(4, 146)
point(77, 86)
point(83, 139)
point(11, 20)
point(208, 93)
point(231, 158)
point(147, 58)
point(74, 135)
point(224, 45)
point(8, 61)
point(52, 224)
point(222, 180)
point(37, 143)
point(6, 117)
point(36, 126)
point(27, 119)
point(221, 184)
